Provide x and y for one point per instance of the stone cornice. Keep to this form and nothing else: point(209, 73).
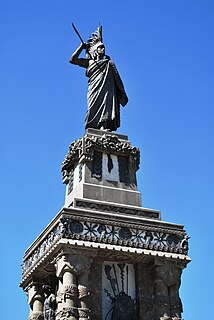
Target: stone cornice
point(111, 231)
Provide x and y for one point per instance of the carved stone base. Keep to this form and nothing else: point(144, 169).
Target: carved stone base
point(83, 313)
point(67, 314)
point(36, 316)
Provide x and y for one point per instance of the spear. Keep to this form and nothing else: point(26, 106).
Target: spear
point(81, 39)
point(77, 32)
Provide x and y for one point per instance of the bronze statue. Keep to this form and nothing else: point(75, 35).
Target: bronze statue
point(105, 88)
point(49, 304)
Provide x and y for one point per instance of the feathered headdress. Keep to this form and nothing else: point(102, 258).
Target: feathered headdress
point(95, 40)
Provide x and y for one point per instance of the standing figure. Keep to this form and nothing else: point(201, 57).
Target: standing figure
point(105, 88)
point(49, 304)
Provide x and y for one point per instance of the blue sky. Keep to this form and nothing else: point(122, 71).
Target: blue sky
point(164, 52)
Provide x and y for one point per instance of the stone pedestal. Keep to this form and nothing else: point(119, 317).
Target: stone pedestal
point(104, 255)
point(102, 166)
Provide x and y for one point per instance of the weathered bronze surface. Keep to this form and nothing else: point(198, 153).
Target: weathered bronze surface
point(105, 88)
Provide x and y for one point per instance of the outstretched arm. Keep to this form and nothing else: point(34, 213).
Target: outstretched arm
point(82, 62)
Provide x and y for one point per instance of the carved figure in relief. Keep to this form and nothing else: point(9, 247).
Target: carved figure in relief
point(123, 306)
point(49, 304)
point(105, 88)
point(167, 283)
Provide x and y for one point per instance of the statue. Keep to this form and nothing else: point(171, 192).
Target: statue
point(49, 304)
point(167, 284)
point(105, 88)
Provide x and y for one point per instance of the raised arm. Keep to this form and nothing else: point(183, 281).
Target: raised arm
point(82, 62)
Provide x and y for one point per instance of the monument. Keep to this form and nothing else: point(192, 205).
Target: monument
point(104, 256)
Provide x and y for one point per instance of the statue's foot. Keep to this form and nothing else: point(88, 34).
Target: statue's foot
point(105, 129)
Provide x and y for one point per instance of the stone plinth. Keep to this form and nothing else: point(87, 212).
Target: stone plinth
point(102, 166)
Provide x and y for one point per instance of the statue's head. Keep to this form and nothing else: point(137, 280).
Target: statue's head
point(47, 289)
point(95, 44)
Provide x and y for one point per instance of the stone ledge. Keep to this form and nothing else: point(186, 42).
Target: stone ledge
point(119, 208)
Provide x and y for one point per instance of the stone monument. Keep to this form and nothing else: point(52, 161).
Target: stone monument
point(104, 256)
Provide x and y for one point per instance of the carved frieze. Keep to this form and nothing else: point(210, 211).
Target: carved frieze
point(134, 237)
point(108, 232)
point(44, 247)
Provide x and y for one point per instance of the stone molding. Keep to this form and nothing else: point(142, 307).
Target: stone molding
point(80, 203)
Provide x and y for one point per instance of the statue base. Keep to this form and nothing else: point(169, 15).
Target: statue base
point(103, 254)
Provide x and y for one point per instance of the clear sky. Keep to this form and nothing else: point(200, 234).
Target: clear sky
point(164, 52)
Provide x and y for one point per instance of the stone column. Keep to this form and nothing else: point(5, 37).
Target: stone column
point(72, 266)
point(67, 292)
point(35, 300)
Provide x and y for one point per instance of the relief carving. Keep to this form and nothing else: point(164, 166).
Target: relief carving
point(75, 261)
point(167, 283)
point(83, 313)
point(67, 313)
point(68, 292)
point(85, 147)
point(36, 316)
point(97, 230)
point(83, 292)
